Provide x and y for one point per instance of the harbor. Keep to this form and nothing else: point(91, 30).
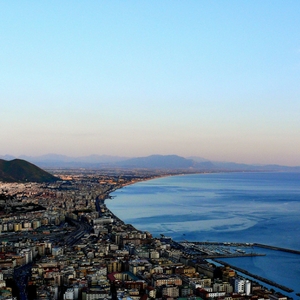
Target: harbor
point(213, 250)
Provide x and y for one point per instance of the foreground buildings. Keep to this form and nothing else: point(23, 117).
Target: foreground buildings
point(60, 241)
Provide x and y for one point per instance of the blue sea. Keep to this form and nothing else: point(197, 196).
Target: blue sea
point(225, 207)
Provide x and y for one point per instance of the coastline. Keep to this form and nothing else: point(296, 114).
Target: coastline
point(262, 279)
point(245, 272)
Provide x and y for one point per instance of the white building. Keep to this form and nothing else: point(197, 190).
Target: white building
point(69, 294)
point(248, 287)
point(27, 254)
point(239, 285)
point(56, 251)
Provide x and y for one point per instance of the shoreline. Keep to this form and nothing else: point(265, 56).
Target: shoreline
point(260, 278)
point(254, 276)
point(271, 247)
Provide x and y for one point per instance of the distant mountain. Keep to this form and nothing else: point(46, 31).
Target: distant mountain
point(198, 159)
point(63, 161)
point(163, 162)
point(170, 162)
point(7, 157)
point(198, 164)
point(102, 161)
point(18, 170)
point(231, 166)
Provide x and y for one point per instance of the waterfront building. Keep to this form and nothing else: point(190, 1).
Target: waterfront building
point(247, 287)
point(227, 273)
point(239, 285)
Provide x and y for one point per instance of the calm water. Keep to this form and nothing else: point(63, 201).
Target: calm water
point(227, 207)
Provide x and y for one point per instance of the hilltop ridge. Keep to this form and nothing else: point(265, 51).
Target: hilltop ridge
point(19, 170)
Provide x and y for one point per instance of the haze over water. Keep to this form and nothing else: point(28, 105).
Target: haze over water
point(225, 207)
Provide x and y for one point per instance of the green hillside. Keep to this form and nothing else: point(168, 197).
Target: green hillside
point(19, 170)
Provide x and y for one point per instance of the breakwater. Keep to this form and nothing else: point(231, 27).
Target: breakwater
point(276, 248)
point(270, 282)
point(232, 255)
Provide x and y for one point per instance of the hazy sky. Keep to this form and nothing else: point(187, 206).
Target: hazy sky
point(216, 79)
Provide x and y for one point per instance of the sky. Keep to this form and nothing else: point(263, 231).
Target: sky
point(214, 79)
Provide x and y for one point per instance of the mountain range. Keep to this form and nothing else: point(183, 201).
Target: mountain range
point(168, 162)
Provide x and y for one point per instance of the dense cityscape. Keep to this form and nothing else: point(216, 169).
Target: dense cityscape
point(60, 241)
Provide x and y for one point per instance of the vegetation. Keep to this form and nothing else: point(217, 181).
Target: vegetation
point(19, 170)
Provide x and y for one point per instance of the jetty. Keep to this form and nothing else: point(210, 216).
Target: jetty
point(276, 248)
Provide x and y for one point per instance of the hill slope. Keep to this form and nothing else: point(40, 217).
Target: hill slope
point(18, 170)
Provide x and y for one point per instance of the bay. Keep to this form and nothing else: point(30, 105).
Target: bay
point(224, 207)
